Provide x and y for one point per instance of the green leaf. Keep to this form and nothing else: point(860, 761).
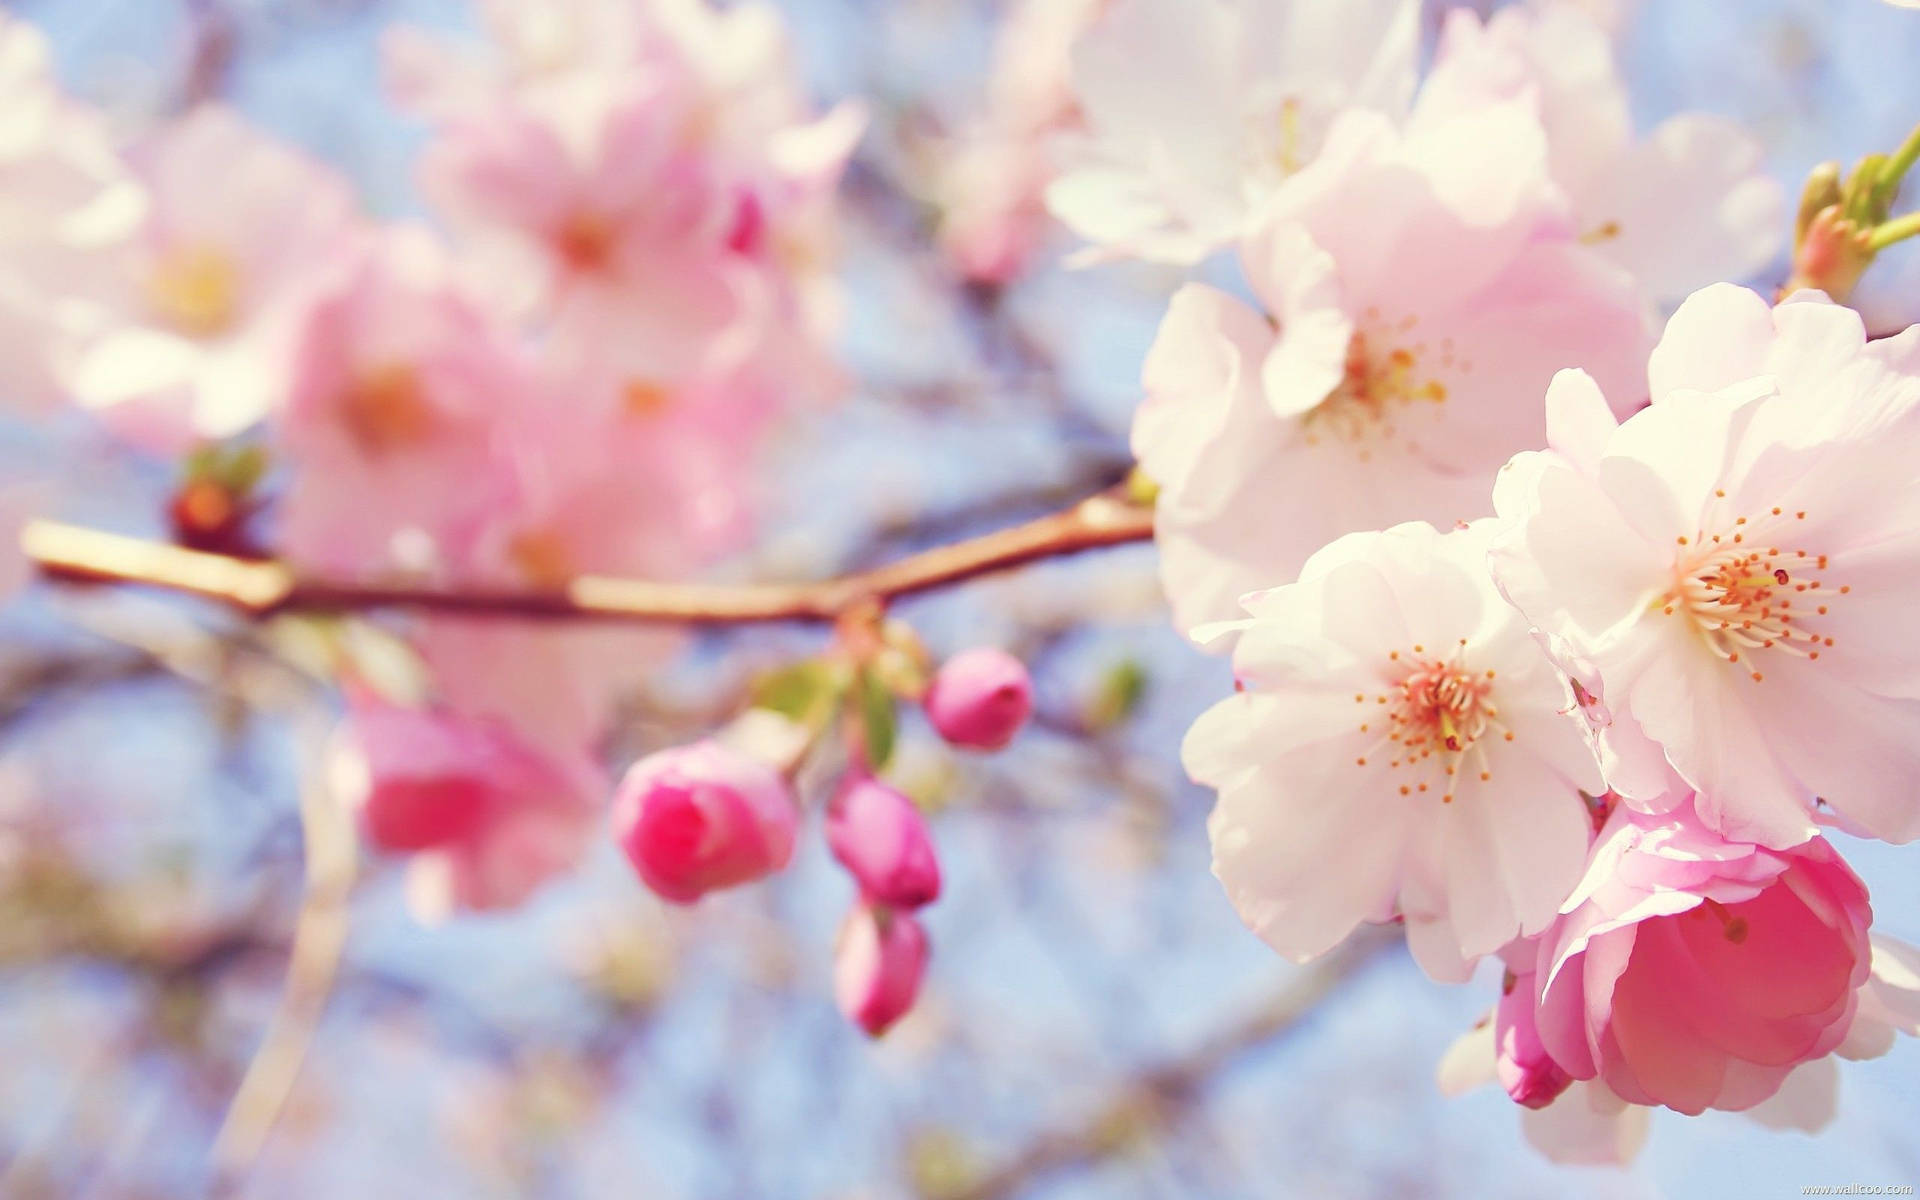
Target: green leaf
point(878, 723)
point(1121, 690)
point(800, 691)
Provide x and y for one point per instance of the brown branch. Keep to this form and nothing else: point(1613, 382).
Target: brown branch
point(266, 588)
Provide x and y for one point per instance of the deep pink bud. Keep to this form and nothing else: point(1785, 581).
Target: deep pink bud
point(880, 837)
point(980, 698)
point(700, 817)
point(877, 966)
point(1525, 1068)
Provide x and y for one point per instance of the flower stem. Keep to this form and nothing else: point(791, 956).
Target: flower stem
point(1897, 230)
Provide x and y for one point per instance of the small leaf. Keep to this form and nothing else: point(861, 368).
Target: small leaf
point(878, 723)
point(1121, 690)
point(800, 691)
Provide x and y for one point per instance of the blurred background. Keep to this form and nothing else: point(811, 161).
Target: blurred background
point(1097, 1023)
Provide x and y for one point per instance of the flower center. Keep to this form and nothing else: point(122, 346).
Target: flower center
point(195, 289)
point(1744, 599)
point(386, 409)
point(585, 242)
point(1384, 381)
point(1439, 714)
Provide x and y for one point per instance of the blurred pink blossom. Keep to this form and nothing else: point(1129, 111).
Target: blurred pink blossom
point(487, 816)
point(193, 331)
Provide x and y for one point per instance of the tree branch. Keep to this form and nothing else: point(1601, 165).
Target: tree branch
point(267, 588)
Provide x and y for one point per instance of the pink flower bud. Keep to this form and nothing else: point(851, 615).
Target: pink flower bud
point(882, 840)
point(877, 966)
point(1525, 1068)
point(696, 818)
point(980, 698)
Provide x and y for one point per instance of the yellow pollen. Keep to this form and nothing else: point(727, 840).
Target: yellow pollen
point(1741, 599)
point(195, 289)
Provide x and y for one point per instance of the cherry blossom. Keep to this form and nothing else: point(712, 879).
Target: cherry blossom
point(1725, 571)
point(994, 182)
point(1195, 111)
point(68, 205)
point(195, 320)
point(402, 389)
point(1689, 204)
point(1397, 749)
point(1694, 972)
point(487, 816)
point(1420, 292)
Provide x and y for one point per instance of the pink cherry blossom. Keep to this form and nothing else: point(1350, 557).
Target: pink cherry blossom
point(980, 698)
point(403, 389)
point(994, 182)
point(696, 818)
point(1196, 109)
point(1695, 972)
point(487, 816)
point(1398, 749)
point(1688, 205)
point(1420, 292)
point(1729, 571)
point(195, 322)
point(879, 836)
point(877, 966)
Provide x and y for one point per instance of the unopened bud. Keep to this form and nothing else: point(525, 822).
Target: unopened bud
point(980, 698)
point(880, 837)
point(693, 819)
point(877, 967)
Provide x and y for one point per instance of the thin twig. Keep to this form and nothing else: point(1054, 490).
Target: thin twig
point(319, 938)
point(1161, 1095)
point(266, 588)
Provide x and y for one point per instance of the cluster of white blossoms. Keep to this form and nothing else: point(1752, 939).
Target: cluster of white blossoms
point(1585, 709)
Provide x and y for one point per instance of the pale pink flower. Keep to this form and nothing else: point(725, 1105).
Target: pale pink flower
point(994, 178)
point(1398, 749)
point(980, 698)
point(697, 818)
point(1694, 972)
point(879, 836)
point(878, 964)
point(487, 816)
point(1689, 204)
point(1420, 292)
point(1729, 572)
point(68, 206)
point(194, 329)
point(1197, 109)
point(403, 391)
